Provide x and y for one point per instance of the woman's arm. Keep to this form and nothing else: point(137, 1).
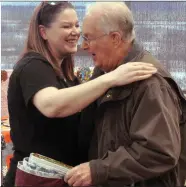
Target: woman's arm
point(53, 102)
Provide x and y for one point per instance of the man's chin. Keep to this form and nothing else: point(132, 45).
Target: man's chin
point(96, 63)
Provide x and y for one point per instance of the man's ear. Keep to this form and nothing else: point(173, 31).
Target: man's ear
point(116, 38)
point(42, 31)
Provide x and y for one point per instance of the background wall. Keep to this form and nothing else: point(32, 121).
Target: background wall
point(160, 27)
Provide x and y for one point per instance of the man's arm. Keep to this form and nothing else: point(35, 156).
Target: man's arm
point(156, 140)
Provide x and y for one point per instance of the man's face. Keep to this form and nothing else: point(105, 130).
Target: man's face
point(98, 44)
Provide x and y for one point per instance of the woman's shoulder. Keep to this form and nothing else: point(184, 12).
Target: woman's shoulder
point(31, 59)
point(31, 63)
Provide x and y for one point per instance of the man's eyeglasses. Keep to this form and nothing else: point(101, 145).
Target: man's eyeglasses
point(87, 40)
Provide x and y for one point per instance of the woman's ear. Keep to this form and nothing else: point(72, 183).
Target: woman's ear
point(42, 32)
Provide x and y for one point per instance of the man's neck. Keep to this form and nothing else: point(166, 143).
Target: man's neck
point(121, 55)
point(125, 52)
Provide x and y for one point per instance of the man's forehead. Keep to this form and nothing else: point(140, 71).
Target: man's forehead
point(87, 22)
point(89, 26)
point(90, 32)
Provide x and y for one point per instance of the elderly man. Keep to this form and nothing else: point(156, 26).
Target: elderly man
point(137, 140)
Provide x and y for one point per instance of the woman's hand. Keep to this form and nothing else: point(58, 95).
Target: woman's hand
point(130, 72)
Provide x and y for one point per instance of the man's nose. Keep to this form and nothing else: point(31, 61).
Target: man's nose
point(84, 45)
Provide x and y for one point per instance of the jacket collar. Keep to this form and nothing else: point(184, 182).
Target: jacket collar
point(136, 53)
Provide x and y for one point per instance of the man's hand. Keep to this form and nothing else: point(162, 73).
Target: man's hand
point(79, 175)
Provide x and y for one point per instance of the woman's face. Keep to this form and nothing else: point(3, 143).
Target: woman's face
point(63, 34)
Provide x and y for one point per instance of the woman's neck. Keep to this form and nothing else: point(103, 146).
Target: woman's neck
point(59, 61)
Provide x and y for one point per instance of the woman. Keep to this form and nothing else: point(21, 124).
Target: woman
point(43, 97)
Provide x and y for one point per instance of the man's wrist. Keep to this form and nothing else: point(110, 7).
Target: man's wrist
point(99, 173)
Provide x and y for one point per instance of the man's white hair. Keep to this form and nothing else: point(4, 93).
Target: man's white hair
point(113, 16)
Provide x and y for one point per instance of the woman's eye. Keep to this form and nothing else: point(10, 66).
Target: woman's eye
point(66, 26)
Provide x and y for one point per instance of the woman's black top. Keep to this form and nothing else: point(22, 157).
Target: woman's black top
point(31, 131)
